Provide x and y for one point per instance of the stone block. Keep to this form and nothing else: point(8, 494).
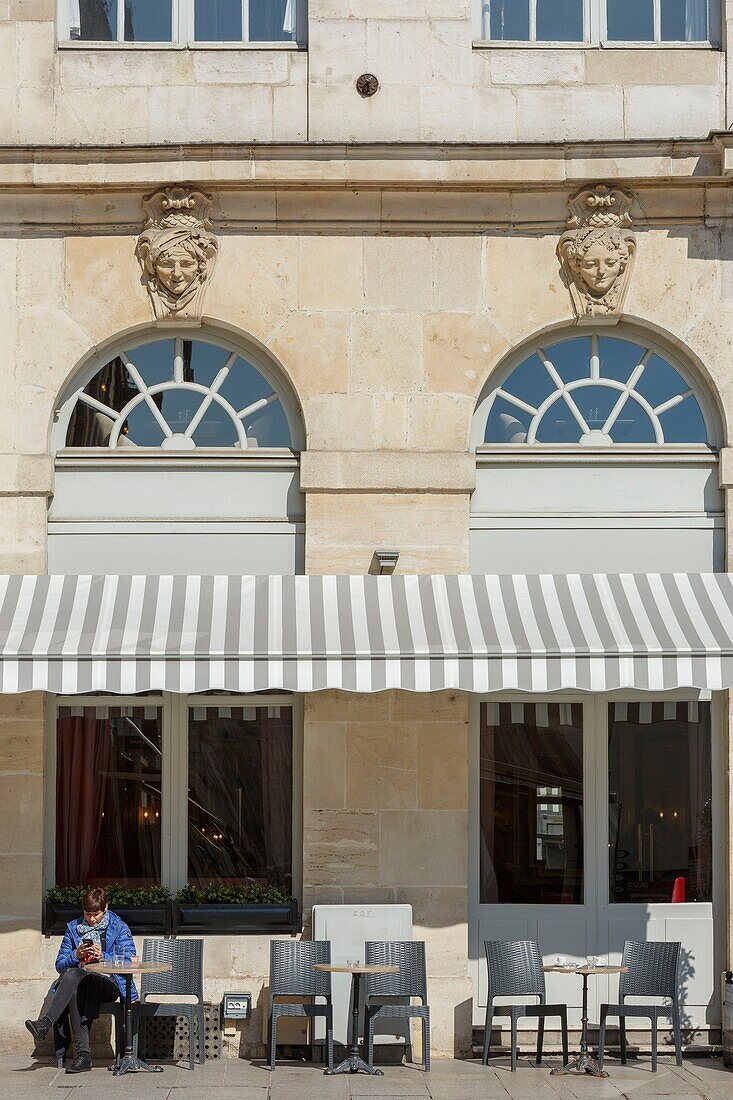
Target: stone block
point(397, 274)
point(461, 350)
point(390, 421)
point(570, 113)
point(423, 848)
point(385, 353)
point(381, 767)
point(679, 112)
point(241, 67)
point(338, 113)
point(445, 113)
point(670, 67)
point(330, 272)
point(451, 1020)
point(289, 113)
point(20, 950)
point(544, 300)
point(339, 421)
point(457, 273)
point(21, 887)
point(439, 421)
point(494, 115)
point(536, 66)
point(347, 706)
point(35, 42)
point(24, 10)
point(221, 113)
point(340, 848)
point(313, 348)
point(8, 80)
point(21, 814)
point(255, 284)
point(336, 50)
point(398, 51)
point(443, 766)
point(83, 115)
point(104, 269)
point(123, 69)
point(34, 113)
point(451, 52)
point(324, 765)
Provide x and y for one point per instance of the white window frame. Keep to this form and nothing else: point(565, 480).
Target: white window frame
point(594, 23)
point(174, 773)
point(182, 30)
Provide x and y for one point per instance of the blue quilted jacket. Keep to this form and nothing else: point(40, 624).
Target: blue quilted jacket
point(118, 938)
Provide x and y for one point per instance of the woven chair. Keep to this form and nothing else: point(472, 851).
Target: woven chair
point(653, 971)
point(515, 970)
point(292, 975)
point(382, 990)
point(186, 979)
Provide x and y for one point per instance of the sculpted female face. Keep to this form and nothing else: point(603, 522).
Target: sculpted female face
point(176, 269)
point(599, 267)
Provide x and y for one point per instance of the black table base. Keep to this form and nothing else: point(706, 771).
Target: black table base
point(583, 1062)
point(129, 1062)
point(353, 1062)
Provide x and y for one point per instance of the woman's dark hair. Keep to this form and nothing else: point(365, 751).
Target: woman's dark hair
point(94, 899)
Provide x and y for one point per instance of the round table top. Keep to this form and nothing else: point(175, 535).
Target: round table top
point(585, 969)
point(128, 968)
point(360, 968)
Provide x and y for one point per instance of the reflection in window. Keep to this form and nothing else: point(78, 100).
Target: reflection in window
point(211, 20)
point(148, 20)
point(594, 391)
point(93, 20)
point(531, 798)
point(108, 792)
point(657, 20)
point(660, 802)
point(240, 779)
point(179, 395)
point(218, 20)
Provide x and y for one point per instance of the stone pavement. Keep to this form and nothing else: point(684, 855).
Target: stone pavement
point(238, 1079)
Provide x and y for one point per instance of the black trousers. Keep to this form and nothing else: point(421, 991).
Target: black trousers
point(78, 996)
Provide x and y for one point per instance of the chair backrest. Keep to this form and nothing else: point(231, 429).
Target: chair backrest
point(653, 970)
point(411, 978)
point(291, 968)
point(186, 958)
point(515, 968)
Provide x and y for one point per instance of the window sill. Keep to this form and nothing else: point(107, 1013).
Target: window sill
point(145, 46)
point(487, 44)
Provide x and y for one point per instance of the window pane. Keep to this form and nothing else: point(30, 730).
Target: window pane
point(531, 803)
point(240, 779)
point(684, 20)
point(509, 20)
point(272, 20)
point(660, 801)
point(559, 20)
point(108, 784)
point(630, 22)
point(148, 21)
point(93, 20)
point(218, 21)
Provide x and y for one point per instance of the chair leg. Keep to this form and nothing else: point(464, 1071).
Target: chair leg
point(514, 1042)
point(426, 1040)
point(487, 1032)
point(654, 1043)
point(202, 1035)
point(622, 1037)
point(677, 1033)
point(602, 1038)
point(271, 1039)
point(540, 1039)
point(368, 1035)
point(329, 1038)
point(564, 1031)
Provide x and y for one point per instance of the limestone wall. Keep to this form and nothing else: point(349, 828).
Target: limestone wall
point(436, 85)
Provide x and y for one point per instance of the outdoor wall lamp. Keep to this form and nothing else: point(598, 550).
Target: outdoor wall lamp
point(386, 560)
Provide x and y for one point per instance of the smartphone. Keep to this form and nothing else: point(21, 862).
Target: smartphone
point(87, 943)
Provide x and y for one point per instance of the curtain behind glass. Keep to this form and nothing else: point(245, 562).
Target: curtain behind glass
point(271, 20)
point(93, 20)
point(684, 20)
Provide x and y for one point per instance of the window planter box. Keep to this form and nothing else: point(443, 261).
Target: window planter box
point(142, 919)
point(215, 919)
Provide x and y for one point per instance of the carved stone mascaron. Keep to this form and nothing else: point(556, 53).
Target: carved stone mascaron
point(597, 251)
point(177, 251)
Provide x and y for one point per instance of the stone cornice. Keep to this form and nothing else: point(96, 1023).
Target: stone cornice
point(387, 471)
point(405, 187)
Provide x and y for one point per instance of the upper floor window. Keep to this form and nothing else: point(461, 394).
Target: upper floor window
point(601, 21)
point(178, 394)
point(595, 391)
point(180, 21)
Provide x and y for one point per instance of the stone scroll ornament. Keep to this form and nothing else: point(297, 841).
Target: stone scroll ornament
point(597, 251)
point(177, 251)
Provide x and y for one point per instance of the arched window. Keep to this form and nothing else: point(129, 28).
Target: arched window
point(178, 394)
point(595, 391)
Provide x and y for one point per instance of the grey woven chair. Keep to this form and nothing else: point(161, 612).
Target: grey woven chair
point(653, 971)
point(186, 979)
point(292, 975)
point(515, 970)
point(382, 990)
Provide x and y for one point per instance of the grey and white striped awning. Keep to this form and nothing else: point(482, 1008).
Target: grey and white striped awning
point(598, 632)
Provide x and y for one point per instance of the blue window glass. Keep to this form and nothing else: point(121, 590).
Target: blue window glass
point(93, 20)
point(559, 20)
point(630, 22)
point(148, 20)
point(218, 20)
point(684, 20)
point(272, 20)
point(509, 20)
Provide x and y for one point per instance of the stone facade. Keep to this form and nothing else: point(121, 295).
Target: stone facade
point(386, 281)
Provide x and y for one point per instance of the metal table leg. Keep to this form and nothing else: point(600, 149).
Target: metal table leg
point(583, 1062)
point(353, 1062)
point(130, 1063)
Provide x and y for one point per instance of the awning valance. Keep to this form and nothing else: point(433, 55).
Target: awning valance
point(595, 632)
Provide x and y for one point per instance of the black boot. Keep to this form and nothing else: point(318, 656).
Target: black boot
point(39, 1029)
point(81, 1064)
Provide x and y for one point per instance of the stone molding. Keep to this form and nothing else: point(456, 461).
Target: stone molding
point(725, 468)
point(597, 251)
point(26, 475)
point(387, 471)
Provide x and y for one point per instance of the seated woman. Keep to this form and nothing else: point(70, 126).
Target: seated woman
point(98, 936)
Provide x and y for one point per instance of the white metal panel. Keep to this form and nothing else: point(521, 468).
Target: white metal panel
point(348, 927)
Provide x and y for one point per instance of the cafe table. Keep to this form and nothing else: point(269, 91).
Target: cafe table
point(129, 1063)
point(353, 1062)
point(583, 1062)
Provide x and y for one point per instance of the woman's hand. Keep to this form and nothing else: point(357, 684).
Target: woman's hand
point(84, 952)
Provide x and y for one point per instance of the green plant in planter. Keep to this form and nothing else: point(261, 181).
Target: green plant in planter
point(215, 893)
point(117, 895)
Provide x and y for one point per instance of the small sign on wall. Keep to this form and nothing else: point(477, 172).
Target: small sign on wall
point(236, 1006)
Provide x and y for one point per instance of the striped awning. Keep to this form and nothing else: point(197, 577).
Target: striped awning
point(595, 632)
